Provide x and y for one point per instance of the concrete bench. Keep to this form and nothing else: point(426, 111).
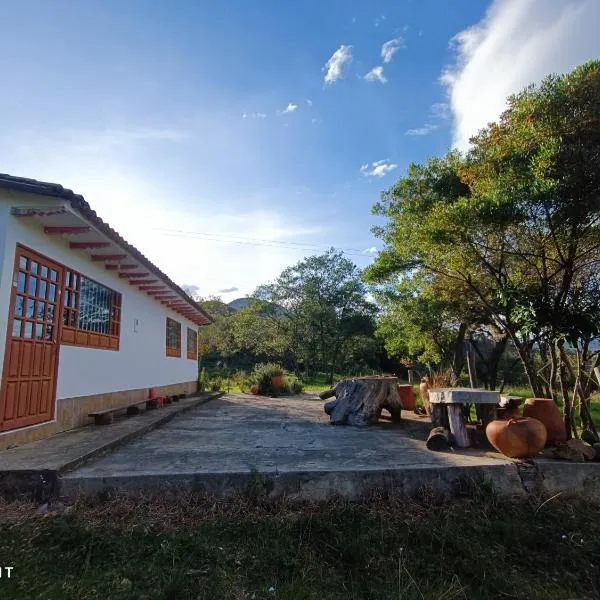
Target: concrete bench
point(106, 417)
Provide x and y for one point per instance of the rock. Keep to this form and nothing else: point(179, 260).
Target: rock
point(565, 452)
point(588, 452)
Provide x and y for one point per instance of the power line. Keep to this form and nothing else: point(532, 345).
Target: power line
point(241, 240)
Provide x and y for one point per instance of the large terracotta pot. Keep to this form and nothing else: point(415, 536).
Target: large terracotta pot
point(407, 397)
point(518, 437)
point(277, 381)
point(546, 411)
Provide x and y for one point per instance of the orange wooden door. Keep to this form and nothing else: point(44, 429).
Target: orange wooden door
point(31, 357)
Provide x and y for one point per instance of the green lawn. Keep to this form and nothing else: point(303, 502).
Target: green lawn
point(477, 547)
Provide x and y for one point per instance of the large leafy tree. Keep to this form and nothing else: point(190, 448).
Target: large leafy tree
point(513, 226)
point(323, 298)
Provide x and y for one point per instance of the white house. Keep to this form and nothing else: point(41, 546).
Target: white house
point(89, 322)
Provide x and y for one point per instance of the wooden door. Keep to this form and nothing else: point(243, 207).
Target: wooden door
point(31, 358)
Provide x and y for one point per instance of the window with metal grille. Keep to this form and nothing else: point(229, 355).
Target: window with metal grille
point(192, 344)
point(91, 307)
point(173, 332)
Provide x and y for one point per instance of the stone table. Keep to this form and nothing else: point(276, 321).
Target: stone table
point(447, 410)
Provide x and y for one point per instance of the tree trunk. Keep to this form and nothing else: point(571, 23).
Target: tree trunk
point(359, 401)
point(458, 358)
point(527, 360)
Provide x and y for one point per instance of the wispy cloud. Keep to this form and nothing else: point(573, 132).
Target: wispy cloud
point(515, 44)
point(389, 48)
point(376, 74)
point(290, 108)
point(255, 115)
point(309, 102)
point(379, 168)
point(379, 20)
point(371, 250)
point(425, 130)
point(229, 290)
point(440, 110)
point(335, 65)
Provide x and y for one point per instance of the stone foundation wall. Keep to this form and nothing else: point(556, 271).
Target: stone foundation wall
point(73, 412)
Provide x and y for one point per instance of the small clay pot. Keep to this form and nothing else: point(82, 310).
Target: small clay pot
point(407, 397)
point(519, 437)
point(254, 389)
point(546, 411)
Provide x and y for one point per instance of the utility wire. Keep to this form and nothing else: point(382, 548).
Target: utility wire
point(240, 240)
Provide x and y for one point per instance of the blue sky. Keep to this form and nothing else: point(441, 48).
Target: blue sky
point(219, 119)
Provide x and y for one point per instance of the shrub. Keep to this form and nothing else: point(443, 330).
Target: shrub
point(241, 380)
point(203, 381)
point(263, 374)
point(292, 384)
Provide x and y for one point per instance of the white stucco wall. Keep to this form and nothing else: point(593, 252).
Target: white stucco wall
point(141, 361)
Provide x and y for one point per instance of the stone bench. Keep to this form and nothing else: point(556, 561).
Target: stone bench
point(106, 416)
point(447, 410)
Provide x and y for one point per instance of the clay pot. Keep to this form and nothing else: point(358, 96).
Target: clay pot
point(254, 389)
point(424, 391)
point(546, 411)
point(277, 382)
point(519, 437)
point(407, 397)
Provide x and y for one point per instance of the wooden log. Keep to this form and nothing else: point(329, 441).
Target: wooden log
point(488, 414)
point(439, 416)
point(327, 394)
point(439, 439)
point(459, 432)
point(359, 401)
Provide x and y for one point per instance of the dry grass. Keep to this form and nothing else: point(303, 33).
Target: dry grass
point(385, 547)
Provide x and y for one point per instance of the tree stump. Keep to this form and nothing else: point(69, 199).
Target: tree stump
point(359, 401)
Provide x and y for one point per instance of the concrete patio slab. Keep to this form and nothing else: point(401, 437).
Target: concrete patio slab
point(36, 466)
point(284, 447)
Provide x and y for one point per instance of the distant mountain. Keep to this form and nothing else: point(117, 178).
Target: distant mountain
point(239, 303)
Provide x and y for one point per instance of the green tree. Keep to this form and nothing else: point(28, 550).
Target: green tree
point(513, 227)
point(323, 299)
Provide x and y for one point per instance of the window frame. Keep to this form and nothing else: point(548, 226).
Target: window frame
point(173, 351)
point(71, 332)
point(191, 354)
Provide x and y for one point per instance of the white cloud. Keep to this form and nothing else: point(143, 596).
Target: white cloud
point(440, 110)
point(379, 168)
point(389, 48)
point(518, 42)
point(376, 74)
point(137, 201)
point(290, 108)
point(335, 65)
point(425, 130)
point(371, 250)
point(309, 102)
point(256, 115)
point(379, 20)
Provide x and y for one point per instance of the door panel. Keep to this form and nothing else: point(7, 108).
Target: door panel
point(31, 359)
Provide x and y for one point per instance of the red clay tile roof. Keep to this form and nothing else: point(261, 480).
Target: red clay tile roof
point(80, 205)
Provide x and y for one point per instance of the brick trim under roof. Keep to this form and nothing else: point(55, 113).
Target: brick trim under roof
point(79, 204)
